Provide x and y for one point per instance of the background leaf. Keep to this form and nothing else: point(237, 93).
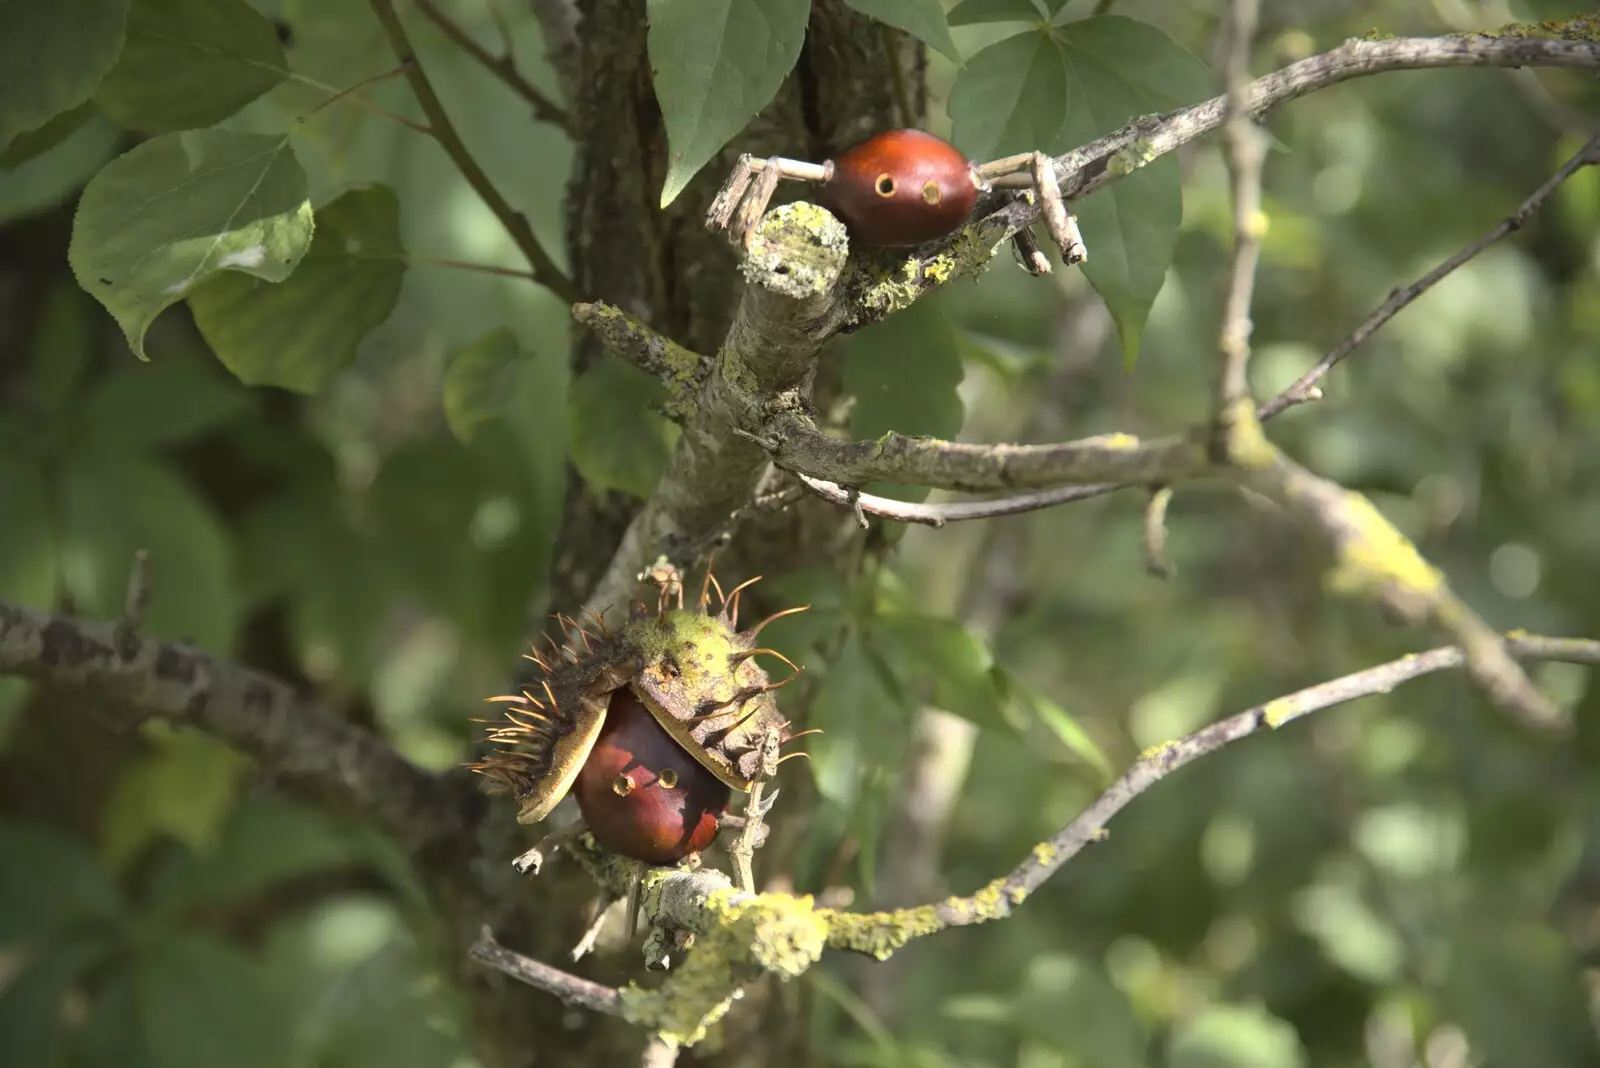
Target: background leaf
point(48, 882)
point(1051, 90)
point(922, 19)
point(182, 207)
point(969, 12)
point(54, 54)
point(615, 438)
point(717, 63)
point(480, 382)
point(190, 63)
point(299, 332)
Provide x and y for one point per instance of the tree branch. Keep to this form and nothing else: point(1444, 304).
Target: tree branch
point(879, 934)
point(255, 713)
point(502, 66)
point(443, 130)
point(1301, 390)
point(742, 936)
point(786, 314)
point(1243, 150)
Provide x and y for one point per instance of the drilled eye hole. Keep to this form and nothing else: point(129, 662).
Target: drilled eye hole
point(622, 785)
point(668, 778)
point(932, 194)
point(884, 185)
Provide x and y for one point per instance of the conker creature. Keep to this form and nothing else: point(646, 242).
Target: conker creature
point(903, 187)
point(641, 793)
point(610, 714)
point(899, 188)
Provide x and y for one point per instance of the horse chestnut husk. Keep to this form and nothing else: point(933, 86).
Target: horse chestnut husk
point(901, 187)
point(642, 794)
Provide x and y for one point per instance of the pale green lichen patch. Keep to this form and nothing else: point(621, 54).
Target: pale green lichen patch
point(1578, 28)
point(1132, 156)
point(1276, 713)
point(683, 371)
point(1045, 853)
point(798, 250)
point(1158, 753)
point(745, 936)
point(883, 282)
point(1374, 555)
point(1245, 442)
point(879, 934)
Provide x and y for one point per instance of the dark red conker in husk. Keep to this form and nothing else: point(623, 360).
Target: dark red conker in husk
point(902, 187)
point(642, 794)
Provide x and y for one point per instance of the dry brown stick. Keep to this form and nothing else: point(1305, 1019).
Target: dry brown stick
point(572, 989)
point(501, 66)
point(544, 268)
point(881, 933)
point(1301, 389)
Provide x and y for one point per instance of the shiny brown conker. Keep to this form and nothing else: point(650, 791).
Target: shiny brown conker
point(642, 794)
point(901, 187)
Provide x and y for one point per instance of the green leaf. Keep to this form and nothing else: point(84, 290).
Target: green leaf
point(183, 789)
point(27, 549)
point(615, 438)
point(972, 11)
point(48, 882)
point(1517, 989)
point(480, 382)
point(716, 64)
point(190, 63)
point(1225, 1036)
point(1012, 97)
point(111, 504)
point(942, 663)
point(53, 54)
point(922, 19)
point(862, 724)
point(53, 176)
point(1052, 91)
point(38, 141)
point(62, 343)
point(1059, 722)
point(152, 404)
point(182, 207)
point(1067, 1001)
point(905, 373)
point(264, 842)
point(300, 332)
point(378, 1015)
point(189, 1001)
point(31, 1003)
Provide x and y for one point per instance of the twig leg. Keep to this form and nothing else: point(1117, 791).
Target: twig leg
point(530, 862)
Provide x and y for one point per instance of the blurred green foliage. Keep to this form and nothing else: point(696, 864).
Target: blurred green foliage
point(1407, 881)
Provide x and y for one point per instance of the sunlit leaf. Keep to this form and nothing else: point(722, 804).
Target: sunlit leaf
point(182, 788)
point(942, 663)
point(922, 19)
point(299, 332)
point(481, 381)
point(969, 12)
point(616, 439)
point(190, 63)
point(52, 55)
point(182, 207)
point(1224, 1035)
point(1052, 91)
point(716, 63)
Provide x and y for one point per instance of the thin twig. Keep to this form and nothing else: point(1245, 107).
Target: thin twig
point(1155, 533)
point(1244, 153)
point(366, 83)
point(467, 265)
point(501, 66)
point(568, 987)
point(881, 933)
point(545, 270)
point(348, 96)
point(1301, 389)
